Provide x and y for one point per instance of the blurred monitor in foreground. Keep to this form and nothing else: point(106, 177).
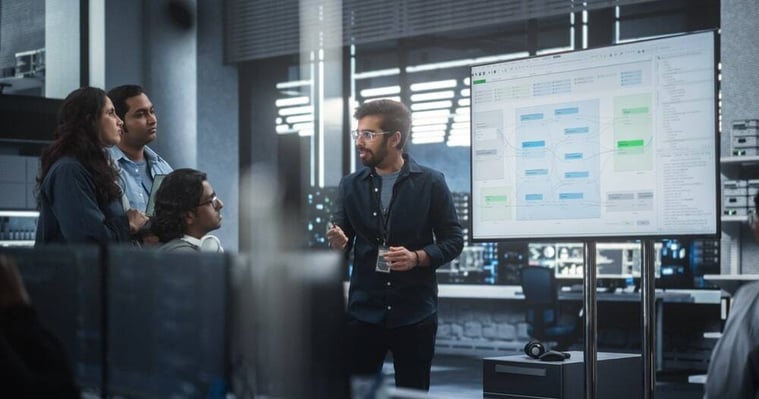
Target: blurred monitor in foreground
point(64, 286)
point(287, 320)
point(166, 324)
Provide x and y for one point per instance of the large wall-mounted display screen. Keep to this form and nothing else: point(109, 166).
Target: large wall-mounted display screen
point(618, 141)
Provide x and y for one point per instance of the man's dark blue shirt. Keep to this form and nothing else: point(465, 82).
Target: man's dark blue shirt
point(421, 215)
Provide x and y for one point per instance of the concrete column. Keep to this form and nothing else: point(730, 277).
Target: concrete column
point(123, 48)
point(61, 47)
point(321, 35)
point(97, 43)
point(218, 127)
point(170, 67)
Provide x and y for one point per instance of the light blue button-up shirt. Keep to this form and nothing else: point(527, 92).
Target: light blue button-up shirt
point(130, 177)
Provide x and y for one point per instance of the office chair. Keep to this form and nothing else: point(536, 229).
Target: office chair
point(542, 313)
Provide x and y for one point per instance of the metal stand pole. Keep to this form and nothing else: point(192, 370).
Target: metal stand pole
point(589, 304)
point(647, 280)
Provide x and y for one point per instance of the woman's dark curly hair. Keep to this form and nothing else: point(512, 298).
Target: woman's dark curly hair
point(76, 136)
point(180, 193)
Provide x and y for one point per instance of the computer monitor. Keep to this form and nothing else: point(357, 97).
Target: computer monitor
point(617, 260)
point(193, 325)
point(613, 260)
point(287, 324)
point(636, 269)
point(675, 267)
point(28, 118)
point(565, 258)
point(618, 264)
point(166, 323)
point(617, 142)
point(64, 284)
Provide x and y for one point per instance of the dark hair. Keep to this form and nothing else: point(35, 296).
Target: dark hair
point(180, 192)
point(396, 117)
point(120, 94)
point(76, 136)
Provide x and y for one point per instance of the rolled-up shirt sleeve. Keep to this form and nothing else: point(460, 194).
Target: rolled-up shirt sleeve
point(449, 237)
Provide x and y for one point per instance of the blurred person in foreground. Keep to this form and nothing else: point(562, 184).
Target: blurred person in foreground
point(734, 364)
point(77, 195)
point(399, 219)
point(186, 210)
point(32, 361)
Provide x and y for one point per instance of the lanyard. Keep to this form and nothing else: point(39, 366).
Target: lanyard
point(384, 224)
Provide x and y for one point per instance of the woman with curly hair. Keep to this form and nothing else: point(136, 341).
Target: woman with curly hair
point(77, 195)
point(186, 210)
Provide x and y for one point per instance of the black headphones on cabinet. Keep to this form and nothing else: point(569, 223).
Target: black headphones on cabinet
point(536, 350)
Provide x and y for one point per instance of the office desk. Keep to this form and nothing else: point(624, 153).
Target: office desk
point(731, 282)
point(514, 292)
point(680, 297)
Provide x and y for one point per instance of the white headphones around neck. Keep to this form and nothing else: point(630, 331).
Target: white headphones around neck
point(210, 243)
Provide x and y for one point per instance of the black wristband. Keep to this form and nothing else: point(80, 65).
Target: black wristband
point(417, 258)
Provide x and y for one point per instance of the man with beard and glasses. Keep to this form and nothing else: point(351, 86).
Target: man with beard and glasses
point(399, 219)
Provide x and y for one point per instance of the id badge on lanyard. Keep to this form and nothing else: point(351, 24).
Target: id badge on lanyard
point(382, 265)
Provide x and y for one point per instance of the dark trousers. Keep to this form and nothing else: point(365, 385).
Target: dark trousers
point(412, 346)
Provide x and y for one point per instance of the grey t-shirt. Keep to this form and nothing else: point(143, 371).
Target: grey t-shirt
point(386, 193)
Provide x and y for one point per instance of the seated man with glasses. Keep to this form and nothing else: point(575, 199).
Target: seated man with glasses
point(186, 210)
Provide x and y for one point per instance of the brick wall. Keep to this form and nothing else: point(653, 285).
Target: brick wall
point(481, 327)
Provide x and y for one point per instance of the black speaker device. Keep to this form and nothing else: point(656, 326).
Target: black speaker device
point(536, 350)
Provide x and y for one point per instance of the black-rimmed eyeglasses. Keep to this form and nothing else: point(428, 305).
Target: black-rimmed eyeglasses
point(214, 201)
point(367, 135)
